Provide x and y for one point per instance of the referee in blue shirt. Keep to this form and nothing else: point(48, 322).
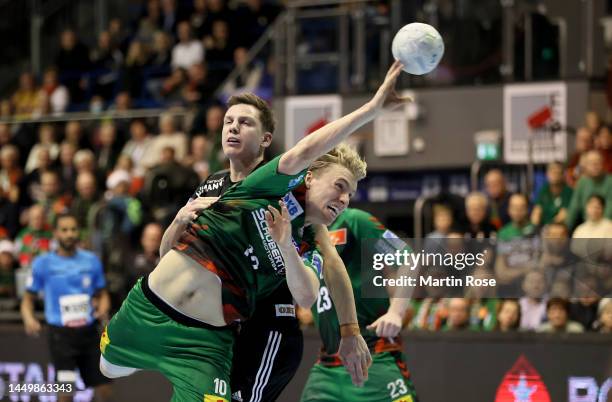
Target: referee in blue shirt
point(73, 284)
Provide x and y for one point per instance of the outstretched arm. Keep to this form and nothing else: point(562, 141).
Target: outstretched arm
point(353, 349)
point(327, 137)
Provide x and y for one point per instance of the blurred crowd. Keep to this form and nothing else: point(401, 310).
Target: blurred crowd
point(125, 179)
point(550, 253)
point(170, 53)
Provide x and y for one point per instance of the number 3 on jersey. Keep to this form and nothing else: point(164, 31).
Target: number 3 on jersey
point(324, 302)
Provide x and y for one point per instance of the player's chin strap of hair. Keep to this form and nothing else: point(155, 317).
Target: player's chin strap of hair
point(350, 329)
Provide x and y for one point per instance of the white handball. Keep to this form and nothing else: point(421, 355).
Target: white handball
point(419, 47)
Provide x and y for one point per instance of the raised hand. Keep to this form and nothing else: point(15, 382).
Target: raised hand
point(386, 97)
point(279, 224)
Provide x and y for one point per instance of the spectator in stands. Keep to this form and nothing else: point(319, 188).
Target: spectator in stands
point(187, 51)
point(6, 109)
point(479, 227)
point(603, 143)
point(118, 34)
point(31, 184)
point(6, 136)
point(171, 90)
point(109, 148)
point(198, 157)
point(458, 314)
point(219, 50)
point(254, 17)
point(198, 17)
point(592, 121)
point(133, 69)
point(150, 23)
point(46, 139)
point(10, 172)
point(138, 147)
point(553, 198)
point(24, 100)
point(161, 53)
point(442, 221)
point(66, 168)
point(199, 88)
point(168, 137)
point(583, 307)
point(499, 198)
point(557, 262)
point(56, 93)
point(106, 55)
point(483, 303)
point(605, 316)
point(533, 303)
point(594, 181)
point(557, 311)
point(171, 15)
point(584, 143)
point(35, 238)
point(73, 60)
point(596, 225)
point(52, 200)
point(85, 161)
point(106, 61)
point(9, 216)
point(73, 133)
point(217, 11)
point(86, 201)
point(249, 78)
point(212, 126)
point(143, 262)
point(508, 316)
point(517, 247)
point(121, 216)
point(7, 270)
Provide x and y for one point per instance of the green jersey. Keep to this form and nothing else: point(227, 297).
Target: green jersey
point(347, 232)
point(551, 204)
point(232, 239)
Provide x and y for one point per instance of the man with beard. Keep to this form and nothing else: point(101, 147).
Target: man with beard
point(75, 298)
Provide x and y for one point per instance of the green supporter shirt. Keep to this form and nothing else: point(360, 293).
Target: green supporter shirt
point(347, 232)
point(231, 238)
point(586, 187)
point(552, 204)
point(511, 232)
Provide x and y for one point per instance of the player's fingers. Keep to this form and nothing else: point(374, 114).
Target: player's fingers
point(275, 212)
point(364, 367)
point(284, 210)
point(351, 368)
point(368, 357)
point(269, 219)
point(374, 325)
point(381, 328)
point(360, 375)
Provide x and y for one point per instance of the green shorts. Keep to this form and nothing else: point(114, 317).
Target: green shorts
point(196, 358)
point(387, 382)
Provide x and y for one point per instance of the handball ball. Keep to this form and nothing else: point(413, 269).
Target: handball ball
point(419, 47)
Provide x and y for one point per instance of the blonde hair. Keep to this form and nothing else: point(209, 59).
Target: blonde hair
point(342, 155)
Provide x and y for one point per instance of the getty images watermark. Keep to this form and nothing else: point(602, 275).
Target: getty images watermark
point(480, 268)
